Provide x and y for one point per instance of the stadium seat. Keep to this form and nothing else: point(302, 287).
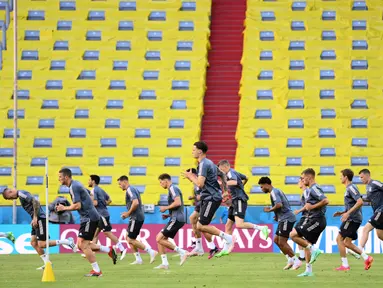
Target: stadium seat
point(8, 133)
point(264, 94)
point(176, 123)
point(81, 114)
point(328, 189)
point(106, 161)
point(23, 94)
point(297, 45)
point(30, 55)
point(148, 95)
point(188, 6)
point(297, 26)
point(63, 25)
point(38, 162)
point(263, 114)
point(328, 55)
point(185, 46)
point(6, 152)
point(120, 65)
point(54, 85)
point(115, 104)
point(296, 84)
point(297, 65)
point(327, 94)
point(178, 105)
point(93, 35)
point(180, 85)
point(137, 171)
point(20, 113)
point(127, 6)
point(327, 170)
point(265, 75)
point(67, 5)
point(359, 25)
point(175, 180)
point(42, 142)
point(32, 35)
point(172, 161)
point(261, 152)
point(150, 75)
point(140, 152)
point(153, 55)
point(142, 133)
point(24, 75)
point(293, 161)
point(105, 180)
point(126, 26)
point(266, 55)
point(77, 133)
point(123, 46)
point(117, 85)
point(326, 133)
point(57, 65)
point(157, 16)
point(35, 180)
point(50, 104)
point(328, 35)
point(145, 114)
point(295, 104)
point(359, 45)
point(329, 15)
point(174, 142)
point(295, 123)
point(298, 6)
point(359, 104)
point(87, 75)
point(182, 66)
point(356, 180)
point(327, 152)
point(359, 161)
point(359, 142)
point(74, 152)
point(46, 123)
point(267, 15)
point(359, 84)
point(154, 35)
point(359, 6)
point(260, 171)
point(359, 64)
point(108, 142)
point(256, 189)
point(291, 180)
point(261, 133)
point(91, 55)
point(266, 36)
point(294, 142)
point(328, 114)
point(112, 123)
point(36, 15)
point(96, 15)
point(75, 170)
point(84, 94)
point(358, 123)
point(186, 26)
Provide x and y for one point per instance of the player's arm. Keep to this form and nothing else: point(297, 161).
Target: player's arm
point(94, 197)
point(296, 212)
point(133, 207)
point(277, 202)
point(318, 205)
point(76, 205)
point(36, 208)
point(109, 201)
point(175, 204)
point(244, 179)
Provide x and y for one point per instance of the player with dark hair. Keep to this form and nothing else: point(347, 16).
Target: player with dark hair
point(176, 222)
point(211, 194)
point(237, 210)
point(38, 234)
point(308, 234)
point(351, 218)
point(374, 195)
point(284, 216)
point(89, 219)
point(136, 214)
point(101, 200)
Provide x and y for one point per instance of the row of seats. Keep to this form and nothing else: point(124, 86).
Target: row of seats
point(128, 80)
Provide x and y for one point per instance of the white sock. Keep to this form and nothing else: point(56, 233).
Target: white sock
point(148, 249)
point(120, 246)
point(309, 268)
point(95, 267)
point(198, 243)
point(257, 227)
point(296, 260)
point(290, 260)
point(344, 262)
point(225, 236)
point(287, 256)
point(211, 245)
point(364, 256)
point(171, 240)
point(2, 234)
point(104, 249)
point(138, 257)
point(302, 254)
point(225, 246)
point(310, 247)
point(44, 258)
point(164, 260)
point(61, 242)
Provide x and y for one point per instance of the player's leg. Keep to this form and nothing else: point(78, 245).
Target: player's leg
point(208, 209)
point(162, 250)
point(301, 222)
point(365, 234)
point(229, 227)
point(85, 247)
point(170, 231)
point(240, 208)
point(40, 251)
point(379, 232)
point(42, 237)
point(106, 227)
point(133, 232)
point(342, 252)
point(198, 249)
point(281, 238)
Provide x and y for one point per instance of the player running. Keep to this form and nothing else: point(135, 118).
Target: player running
point(89, 219)
point(374, 195)
point(237, 210)
point(304, 218)
point(8, 235)
point(211, 194)
point(38, 234)
point(285, 218)
point(176, 222)
point(198, 249)
point(307, 235)
point(101, 200)
point(136, 214)
point(351, 218)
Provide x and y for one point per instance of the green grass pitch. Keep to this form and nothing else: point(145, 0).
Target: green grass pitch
point(236, 270)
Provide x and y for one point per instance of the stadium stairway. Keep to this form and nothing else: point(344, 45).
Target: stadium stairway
point(221, 103)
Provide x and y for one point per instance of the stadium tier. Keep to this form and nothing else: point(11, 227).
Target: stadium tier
point(107, 88)
point(311, 93)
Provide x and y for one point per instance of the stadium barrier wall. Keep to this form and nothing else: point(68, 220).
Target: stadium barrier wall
point(248, 240)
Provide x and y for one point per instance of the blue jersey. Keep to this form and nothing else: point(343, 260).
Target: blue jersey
point(101, 197)
point(80, 194)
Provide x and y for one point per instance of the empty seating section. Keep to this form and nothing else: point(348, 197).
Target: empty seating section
point(311, 92)
point(106, 87)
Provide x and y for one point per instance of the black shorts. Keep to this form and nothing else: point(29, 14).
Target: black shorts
point(312, 229)
point(237, 209)
point(349, 229)
point(171, 229)
point(197, 207)
point(208, 209)
point(284, 228)
point(104, 224)
point(134, 228)
point(302, 221)
point(87, 230)
point(377, 220)
point(41, 230)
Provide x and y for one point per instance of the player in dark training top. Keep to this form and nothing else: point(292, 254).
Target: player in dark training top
point(237, 210)
point(211, 194)
point(136, 217)
point(374, 195)
point(89, 219)
point(177, 221)
point(38, 234)
point(285, 217)
point(101, 200)
point(307, 235)
point(351, 218)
